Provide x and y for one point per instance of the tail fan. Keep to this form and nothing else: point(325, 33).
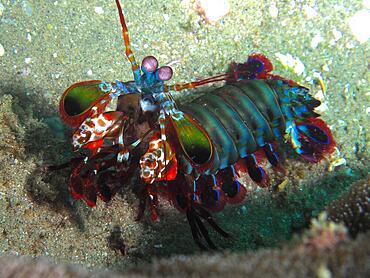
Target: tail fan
point(316, 139)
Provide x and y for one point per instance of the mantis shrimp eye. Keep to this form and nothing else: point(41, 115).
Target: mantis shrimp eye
point(149, 64)
point(165, 73)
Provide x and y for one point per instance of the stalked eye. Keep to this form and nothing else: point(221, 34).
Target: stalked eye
point(164, 73)
point(77, 100)
point(149, 64)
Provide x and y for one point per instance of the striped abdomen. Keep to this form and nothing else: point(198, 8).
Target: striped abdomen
point(239, 118)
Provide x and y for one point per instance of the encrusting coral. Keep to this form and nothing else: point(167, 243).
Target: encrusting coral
point(324, 250)
point(353, 208)
point(290, 261)
point(323, 234)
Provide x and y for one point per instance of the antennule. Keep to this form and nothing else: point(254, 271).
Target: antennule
point(129, 54)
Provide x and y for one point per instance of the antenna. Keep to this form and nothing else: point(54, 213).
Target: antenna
point(129, 54)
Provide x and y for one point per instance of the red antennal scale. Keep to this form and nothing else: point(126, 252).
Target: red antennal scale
point(129, 54)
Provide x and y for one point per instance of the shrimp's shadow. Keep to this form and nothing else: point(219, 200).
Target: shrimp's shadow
point(44, 138)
